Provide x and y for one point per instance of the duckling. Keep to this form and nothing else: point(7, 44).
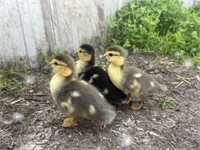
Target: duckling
point(86, 55)
point(97, 76)
point(130, 79)
point(76, 98)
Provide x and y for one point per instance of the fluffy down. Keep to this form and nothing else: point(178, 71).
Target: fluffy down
point(82, 100)
point(100, 79)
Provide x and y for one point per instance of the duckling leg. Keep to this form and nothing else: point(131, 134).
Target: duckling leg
point(127, 100)
point(103, 126)
point(69, 122)
point(137, 106)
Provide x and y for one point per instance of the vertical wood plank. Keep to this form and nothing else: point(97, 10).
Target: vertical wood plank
point(12, 43)
point(48, 23)
point(75, 22)
point(33, 29)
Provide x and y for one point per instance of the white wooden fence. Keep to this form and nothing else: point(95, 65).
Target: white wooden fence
point(30, 27)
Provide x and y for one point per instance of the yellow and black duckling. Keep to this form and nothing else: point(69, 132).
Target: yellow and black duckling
point(86, 55)
point(76, 98)
point(95, 75)
point(130, 79)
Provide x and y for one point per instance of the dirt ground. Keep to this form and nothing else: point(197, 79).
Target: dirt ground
point(31, 122)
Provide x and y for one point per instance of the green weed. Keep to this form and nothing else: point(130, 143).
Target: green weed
point(166, 103)
point(157, 26)
point(13, 74)
point(196, 8)
point(10, 81)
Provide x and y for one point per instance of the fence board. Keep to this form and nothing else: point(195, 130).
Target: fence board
point(29, 27)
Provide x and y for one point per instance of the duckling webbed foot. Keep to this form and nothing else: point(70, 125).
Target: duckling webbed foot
point(127, 100)
point(69, 122)
point(103, 127)
point(138, 105)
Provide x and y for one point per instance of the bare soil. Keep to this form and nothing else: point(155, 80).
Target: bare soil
point(151, 128)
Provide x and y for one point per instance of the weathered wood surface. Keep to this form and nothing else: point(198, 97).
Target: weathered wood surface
point(30, 27)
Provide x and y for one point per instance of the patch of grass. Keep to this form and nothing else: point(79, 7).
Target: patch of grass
point(16, 64)
point(13, 75)
point(166, 103)
point(96, 40)
point(157, 26)
point(16, 87)
point(10, 80)
point(58, 52)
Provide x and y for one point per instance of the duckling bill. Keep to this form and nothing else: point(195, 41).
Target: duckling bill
point(97, 76)
point(76, 98)
point(130, 79)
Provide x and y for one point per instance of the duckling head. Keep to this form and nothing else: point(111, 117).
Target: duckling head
point(63, 64)
point(115, 55)
point(86, 53)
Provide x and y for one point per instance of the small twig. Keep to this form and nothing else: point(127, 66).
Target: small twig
point(179, 84)
point(5, 135)
point(16, 101)
point(39, 94)
point(184, 79)
point(33, 121)
point(116, 132)
point(187, 78)
point(32, 99)
point(42, 142)
point(191, 78)
point(198, 78)
point(4, 99)
point(197, 91)
point(175, 83)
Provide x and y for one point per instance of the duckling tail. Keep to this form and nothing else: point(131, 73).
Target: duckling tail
point(107, 117)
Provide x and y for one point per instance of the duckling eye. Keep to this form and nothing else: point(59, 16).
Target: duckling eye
point(111, 54)
point(81, 51)
point(55, 63)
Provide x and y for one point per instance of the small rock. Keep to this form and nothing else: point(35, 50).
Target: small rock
point(31, 91)
point(170, 123)
point(156, 71)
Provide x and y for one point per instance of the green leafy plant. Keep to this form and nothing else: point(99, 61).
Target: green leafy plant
point(161, 26)
point(196, 8)
point(166, 103)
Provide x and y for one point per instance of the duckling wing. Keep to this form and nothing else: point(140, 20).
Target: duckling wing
point(137, 82)
point(100, 79)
